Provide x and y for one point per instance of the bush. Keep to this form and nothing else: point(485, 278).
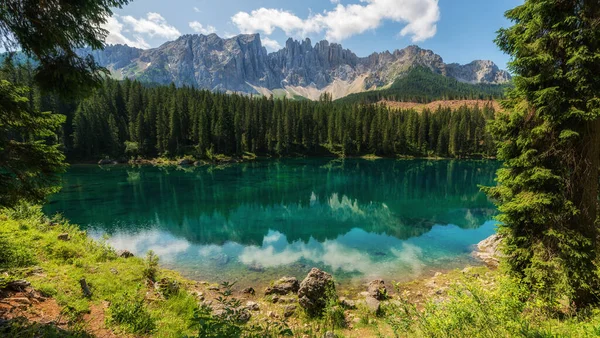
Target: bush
point(131, 313)
point(13, 255)
point(151, 266)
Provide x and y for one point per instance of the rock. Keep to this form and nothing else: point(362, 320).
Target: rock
point(437, 274)
point(314, 290)
point(373, 305)
point(252, 306)
point(283, 286)
point(256, 268)
point(289, 311)
point(125, 254)
point(244, 316)
point(85, 288)
point(249, 291)
point(185, 162)
point(329, 334)
point(114, 271)
point(377, 289)
point(106, 161)
point(64, 237)
point(487, 250)
point(19, 300)
point(348, 304)
point(18, 285)
point(274, 299)
point(272, 314)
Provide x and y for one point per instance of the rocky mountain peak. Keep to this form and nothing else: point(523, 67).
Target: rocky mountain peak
point(242, 64)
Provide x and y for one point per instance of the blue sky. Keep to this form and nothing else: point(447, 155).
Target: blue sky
point(458, 30)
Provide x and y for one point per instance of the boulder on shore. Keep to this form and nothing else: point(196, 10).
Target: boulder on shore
point(488, 250)
point(377, 289)
point(106, 161)
point(283, 286)
point(314, 290)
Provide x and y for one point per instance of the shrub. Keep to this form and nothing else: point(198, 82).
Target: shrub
point(151, 266)
point(131, 313)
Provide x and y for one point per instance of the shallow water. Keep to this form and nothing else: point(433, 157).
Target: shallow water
point(255, 222)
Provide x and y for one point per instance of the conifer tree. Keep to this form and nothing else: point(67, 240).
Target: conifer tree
point(550, 145)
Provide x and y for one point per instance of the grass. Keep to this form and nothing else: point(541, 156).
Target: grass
point(142, 299)
point(31, 244)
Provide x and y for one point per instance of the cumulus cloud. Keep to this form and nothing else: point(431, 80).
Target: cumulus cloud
point(199, 28)
point(154, 25)
point(115, 35)
point(270, 44)
point(419, 17)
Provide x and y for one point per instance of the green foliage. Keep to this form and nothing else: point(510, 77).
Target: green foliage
point(130, 312)
point(150, 266)
point(29, 150)
point(231, 318)
point(423, 85)
point(333, 314)
point(550, 144)
point(50, 32)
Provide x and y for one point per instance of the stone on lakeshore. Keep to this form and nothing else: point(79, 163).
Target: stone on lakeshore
point(488, 250)
point(252, 306)
point(289, 311)
point(377, 289)
point(347, 303)
point(185, 162)
point(373, 305)
point(249, 291)
point(314, 290)
point(283, 286)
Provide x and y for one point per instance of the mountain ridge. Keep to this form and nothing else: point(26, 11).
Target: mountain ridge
point(242, 64)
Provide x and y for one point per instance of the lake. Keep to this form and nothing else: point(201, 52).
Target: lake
point(256, 222)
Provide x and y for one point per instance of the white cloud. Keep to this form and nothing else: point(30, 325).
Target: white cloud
point(419, 16)
point(199, 28)
point(270, 44)
point(197, 10)
point(153, 25)
point(115, 35)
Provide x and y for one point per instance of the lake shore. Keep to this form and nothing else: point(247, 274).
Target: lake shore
point(61, 256)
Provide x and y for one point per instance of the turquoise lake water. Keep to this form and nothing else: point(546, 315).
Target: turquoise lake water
point(255, 222)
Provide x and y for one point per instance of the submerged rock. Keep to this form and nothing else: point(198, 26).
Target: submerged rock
point(314, 290)
point(283, 286)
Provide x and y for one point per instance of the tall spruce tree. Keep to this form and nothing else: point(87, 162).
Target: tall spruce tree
point(547, 190)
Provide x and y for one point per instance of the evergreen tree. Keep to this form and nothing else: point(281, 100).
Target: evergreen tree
point(550, 145)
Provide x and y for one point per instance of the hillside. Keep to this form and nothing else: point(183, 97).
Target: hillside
point(422, 85)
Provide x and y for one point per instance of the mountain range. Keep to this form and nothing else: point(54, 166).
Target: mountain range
point(242, 64)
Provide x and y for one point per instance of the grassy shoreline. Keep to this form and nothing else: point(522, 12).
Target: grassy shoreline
point(133, 297)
